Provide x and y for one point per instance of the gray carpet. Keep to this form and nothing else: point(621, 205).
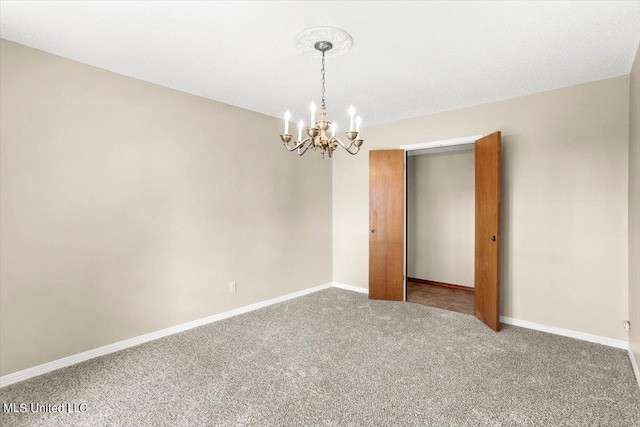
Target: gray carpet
point(336, 358)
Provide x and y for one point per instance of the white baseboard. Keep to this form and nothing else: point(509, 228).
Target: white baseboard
point(350, 288)
point(121, 345)
point(15, 377)
point(610, 342)
point(634, 365)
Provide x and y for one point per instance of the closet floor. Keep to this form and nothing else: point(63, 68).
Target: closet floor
point(439, 297)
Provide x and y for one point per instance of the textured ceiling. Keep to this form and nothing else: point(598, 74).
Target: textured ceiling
point(408, 58)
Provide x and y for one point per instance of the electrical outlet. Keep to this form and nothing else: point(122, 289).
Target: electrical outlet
point(233, 286)
point(627, 325)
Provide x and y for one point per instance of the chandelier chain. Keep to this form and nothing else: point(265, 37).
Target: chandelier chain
point(322, 77)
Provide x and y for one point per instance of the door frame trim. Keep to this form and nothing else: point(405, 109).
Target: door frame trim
point(442, 143)
point(405, 270)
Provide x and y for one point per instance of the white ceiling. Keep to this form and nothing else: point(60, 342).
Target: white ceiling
point(408, 58)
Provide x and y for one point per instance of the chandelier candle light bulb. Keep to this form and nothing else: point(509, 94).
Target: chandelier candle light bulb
point(313, 40)
point(352, 112)
point(287, 117)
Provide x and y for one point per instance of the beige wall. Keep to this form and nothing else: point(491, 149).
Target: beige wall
point(441, 217)
point(128, 207)
point(564, 201)
point(634, 208)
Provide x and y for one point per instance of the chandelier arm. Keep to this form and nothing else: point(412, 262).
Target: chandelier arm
point(347, 149)
point(301, 152)
point(296, 146)
point(353, 153)
point(336, 139)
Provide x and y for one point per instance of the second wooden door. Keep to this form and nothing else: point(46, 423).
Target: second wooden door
point(487, 253)
point(386, 225)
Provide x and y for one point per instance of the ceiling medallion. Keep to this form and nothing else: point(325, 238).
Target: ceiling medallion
point(325, 42)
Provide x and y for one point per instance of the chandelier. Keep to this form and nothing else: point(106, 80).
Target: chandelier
point(316, 134)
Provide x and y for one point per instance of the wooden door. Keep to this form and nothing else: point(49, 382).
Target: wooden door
point(487, 253)
point(386, 224)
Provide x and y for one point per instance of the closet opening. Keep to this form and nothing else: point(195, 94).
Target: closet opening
point(440, 227)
